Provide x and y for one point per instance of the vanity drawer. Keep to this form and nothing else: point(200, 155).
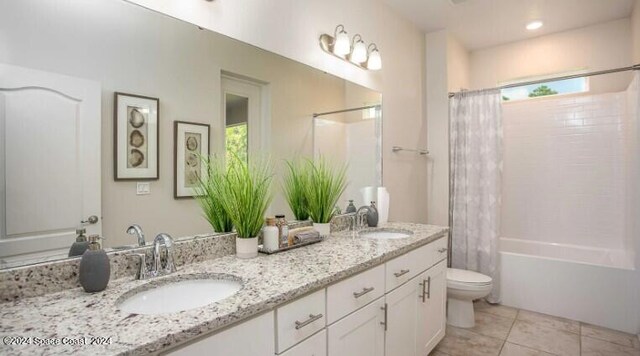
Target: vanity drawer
point(399, 270)
point(430, 254)
point(353, 293)
point(300, 319)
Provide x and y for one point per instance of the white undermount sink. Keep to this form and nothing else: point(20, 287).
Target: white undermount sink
point(179, 295)
point(385, 234)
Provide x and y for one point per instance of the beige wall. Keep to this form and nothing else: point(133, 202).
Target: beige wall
point(635, 32)
point(130, 49)
point(437, 111)
point(458, 65)
point(598, 47)
point(291, 28)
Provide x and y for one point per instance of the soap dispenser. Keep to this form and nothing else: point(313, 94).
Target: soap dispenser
point(81, 244)
point(372, 215)
point(95, 269)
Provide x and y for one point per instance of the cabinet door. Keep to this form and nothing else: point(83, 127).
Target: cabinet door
point(258, 331)
point(402, 310)
point(313, 346)
point(432, 311)
point(359, 334)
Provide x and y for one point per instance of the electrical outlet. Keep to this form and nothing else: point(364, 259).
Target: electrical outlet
point(143, 188)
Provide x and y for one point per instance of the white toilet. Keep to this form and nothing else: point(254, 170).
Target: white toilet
point(463, 287)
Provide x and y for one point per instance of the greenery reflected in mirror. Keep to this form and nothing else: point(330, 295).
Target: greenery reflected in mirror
point(327, 182)
point(209, 197)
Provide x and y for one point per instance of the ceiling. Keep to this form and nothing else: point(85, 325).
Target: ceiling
point(486, 23)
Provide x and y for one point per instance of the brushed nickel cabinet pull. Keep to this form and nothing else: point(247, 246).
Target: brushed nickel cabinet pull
point(312, 318)
point(364, 291)
point(426, 289)
point(385, 316)
point(401, 273)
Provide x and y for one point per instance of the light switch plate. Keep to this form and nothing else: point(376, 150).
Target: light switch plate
point(143, 188)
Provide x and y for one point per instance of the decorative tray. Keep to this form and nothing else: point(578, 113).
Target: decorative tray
point(261, 248)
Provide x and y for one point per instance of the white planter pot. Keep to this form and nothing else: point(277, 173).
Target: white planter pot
point(323, 229)
point(247, 248)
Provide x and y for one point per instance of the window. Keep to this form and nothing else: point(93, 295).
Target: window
point(567, 86)
point(236, 140)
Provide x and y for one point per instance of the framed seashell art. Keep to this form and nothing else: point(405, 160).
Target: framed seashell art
point(136, 137)
point(191, 143)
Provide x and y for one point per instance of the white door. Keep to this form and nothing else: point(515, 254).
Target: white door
point(359, 334)
point(432, 312)
point(402, 311)
point(49, 160)
point(244, 103)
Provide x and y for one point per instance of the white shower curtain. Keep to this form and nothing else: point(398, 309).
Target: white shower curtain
point(476, 168)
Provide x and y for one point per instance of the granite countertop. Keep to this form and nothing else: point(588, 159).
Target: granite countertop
point(73, 316)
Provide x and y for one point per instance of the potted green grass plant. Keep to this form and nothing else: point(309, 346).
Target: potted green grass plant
point(245, 195)
point(295, 183)
point(326, 185)
point(208, 197)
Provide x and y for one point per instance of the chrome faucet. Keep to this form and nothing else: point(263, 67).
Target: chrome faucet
point(136, 230)
point(165, 240)
point(359, 218)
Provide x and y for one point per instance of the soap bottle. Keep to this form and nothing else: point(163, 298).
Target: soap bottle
point(283, 228)
point(270, 235)
point(351, 208)
point(372, 215)
point(81, 244)
point(95, 269)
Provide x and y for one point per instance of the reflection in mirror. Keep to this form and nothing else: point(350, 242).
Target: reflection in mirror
point(236, 126)
point(353, 136)
point(59, 171)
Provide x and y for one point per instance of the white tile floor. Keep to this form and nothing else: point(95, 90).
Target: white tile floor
point(505, 331)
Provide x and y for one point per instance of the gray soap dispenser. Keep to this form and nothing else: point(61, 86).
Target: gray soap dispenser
point(95, 269)
point(372, 215)
point(81, 244)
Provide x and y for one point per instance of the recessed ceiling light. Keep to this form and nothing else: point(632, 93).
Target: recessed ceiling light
point(534, 25)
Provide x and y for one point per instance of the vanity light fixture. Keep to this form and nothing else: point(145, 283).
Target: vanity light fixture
point(375, 61)
point(341, 45)
point(355, 52)
point(358, 50)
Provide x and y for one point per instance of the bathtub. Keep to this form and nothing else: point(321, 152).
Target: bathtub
point(596, 286)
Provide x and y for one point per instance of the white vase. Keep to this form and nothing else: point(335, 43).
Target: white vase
point(322, 229)
point(247, 248)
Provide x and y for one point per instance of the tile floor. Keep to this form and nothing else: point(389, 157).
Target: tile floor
point(505, 331)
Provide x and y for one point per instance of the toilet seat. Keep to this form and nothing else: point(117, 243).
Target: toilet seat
point(467, 280)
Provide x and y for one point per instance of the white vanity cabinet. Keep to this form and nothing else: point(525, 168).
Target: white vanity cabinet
point(313, 346)
point(394, 309)
point(359, 334)
point(402, 313)
point(431, 316)
point(250, 338)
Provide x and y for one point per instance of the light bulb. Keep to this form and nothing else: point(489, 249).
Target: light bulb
point(534, 25)
point(341, 45)
point(375, 61)
point(359, 53)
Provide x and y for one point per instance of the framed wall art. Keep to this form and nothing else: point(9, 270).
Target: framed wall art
point(191, 142)
point(136, 137)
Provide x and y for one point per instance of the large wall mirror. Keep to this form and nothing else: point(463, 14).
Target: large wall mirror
point(105, 104)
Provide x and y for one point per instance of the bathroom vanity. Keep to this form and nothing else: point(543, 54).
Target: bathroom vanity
point(349, 295)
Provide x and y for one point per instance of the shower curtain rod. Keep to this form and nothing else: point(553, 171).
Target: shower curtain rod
point(345, 110)
point(541, 81)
